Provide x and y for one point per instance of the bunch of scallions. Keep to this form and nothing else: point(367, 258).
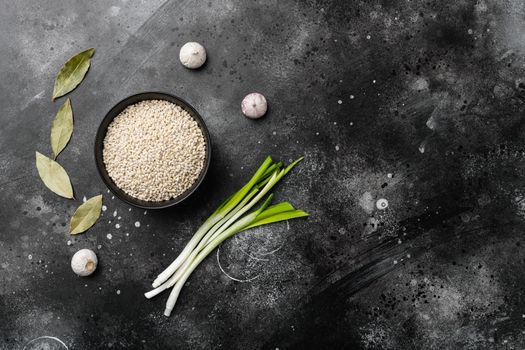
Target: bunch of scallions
point(230, 218)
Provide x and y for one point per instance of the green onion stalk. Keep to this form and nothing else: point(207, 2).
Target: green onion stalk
point(227, 220)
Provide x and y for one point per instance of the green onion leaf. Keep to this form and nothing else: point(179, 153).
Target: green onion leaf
point(270, 169)
point(239, 195)
point(275, 209)
point(287, 215)
point(289, 167)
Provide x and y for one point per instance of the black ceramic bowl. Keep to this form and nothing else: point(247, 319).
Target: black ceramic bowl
point(99, 145)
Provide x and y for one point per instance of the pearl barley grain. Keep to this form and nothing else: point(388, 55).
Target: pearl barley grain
point(154, 150)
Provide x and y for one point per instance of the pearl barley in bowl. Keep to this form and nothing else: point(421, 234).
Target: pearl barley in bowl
point(154, 150)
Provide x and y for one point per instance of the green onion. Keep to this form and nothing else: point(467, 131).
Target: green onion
point(228, 219)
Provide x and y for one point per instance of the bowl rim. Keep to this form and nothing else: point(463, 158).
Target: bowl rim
point(101, 134)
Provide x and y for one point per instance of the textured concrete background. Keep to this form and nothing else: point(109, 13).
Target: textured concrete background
point(417, 102)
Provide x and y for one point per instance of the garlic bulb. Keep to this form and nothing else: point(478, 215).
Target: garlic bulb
point(84, 262)
point(192, 55)
point(254, 105)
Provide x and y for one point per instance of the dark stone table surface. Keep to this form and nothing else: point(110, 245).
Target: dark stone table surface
point(420, 103)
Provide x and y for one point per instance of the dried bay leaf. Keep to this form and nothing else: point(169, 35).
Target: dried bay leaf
point(86, 215)
point(72, 73)
point(53, 176)
point(62, 128)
